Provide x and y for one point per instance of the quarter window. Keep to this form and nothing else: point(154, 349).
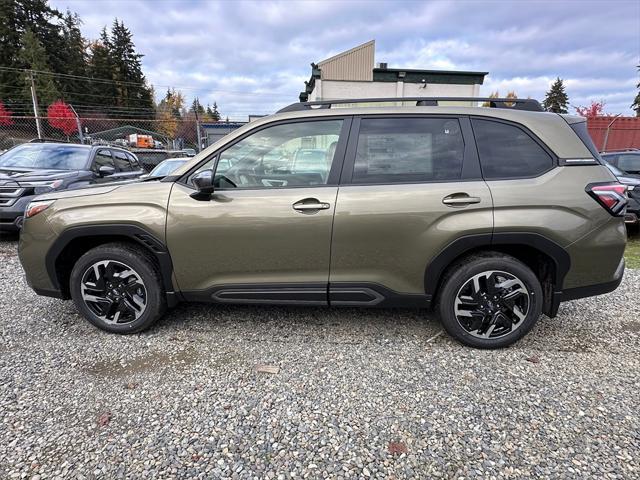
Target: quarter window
point(507, 151)
point(103, 159)
point(402, 150)
point(288, 155)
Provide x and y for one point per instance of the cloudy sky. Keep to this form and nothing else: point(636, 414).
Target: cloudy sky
point(253, 57)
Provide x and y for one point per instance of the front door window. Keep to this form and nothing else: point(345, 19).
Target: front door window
point(287, 155)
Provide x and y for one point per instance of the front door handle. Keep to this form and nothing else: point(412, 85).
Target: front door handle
point(460, 200)
point(310, 205)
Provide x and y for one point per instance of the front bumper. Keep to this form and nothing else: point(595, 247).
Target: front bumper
point(12, 216)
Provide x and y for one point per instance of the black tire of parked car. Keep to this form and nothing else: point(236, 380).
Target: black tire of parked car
point(142, 264)
point(463, 272)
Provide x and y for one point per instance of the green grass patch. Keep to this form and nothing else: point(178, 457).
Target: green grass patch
point(632, 252)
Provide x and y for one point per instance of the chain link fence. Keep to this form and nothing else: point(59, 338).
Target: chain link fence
point(152, 140)
point(173, 133)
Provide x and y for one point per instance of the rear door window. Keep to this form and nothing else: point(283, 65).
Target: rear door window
point(103, 159)
point(134, 162)
point(122, 162)
point(507, 151)
point(407, 150)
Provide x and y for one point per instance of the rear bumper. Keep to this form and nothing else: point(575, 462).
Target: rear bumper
point(597, 289)
point(633, 210)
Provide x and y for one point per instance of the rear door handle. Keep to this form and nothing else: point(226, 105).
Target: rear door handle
point(310, 205)
point(460, 200)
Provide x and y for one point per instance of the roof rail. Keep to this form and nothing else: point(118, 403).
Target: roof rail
point(527, 104)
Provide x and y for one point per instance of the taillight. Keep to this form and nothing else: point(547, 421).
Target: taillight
point(612, 196)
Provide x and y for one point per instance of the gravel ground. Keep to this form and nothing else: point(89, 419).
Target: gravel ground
point(357, 394)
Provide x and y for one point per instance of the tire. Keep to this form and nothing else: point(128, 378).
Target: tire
point(117, 287)
point(512, 300)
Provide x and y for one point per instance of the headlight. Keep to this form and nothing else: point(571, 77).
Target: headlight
point(43, 186)
point(630, 188)
point(37, 207)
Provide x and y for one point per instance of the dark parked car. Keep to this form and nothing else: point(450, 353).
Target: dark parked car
point(626, 160)
point(36, 168)
point(632, 217)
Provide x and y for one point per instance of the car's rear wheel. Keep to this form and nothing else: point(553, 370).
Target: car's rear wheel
point(117, 288)
point(490, 301)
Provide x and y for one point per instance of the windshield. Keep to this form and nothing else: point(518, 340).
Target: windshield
point(166, 168)
point(43, 156)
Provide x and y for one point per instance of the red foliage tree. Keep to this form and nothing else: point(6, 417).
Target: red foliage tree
point(5, 116)
point(61, 116)
point(593, 110)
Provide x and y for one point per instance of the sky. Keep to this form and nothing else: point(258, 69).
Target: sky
point(253, 57)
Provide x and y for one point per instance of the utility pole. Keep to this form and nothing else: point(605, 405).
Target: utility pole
point(78, 124)
point(34, 99)
point(198, 125)
point(606, 134)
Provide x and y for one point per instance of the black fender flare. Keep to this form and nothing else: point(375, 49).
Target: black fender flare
point(133, 232)
point(462, 245)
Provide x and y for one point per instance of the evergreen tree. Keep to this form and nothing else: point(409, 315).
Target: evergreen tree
point(215, 114)
point(101, 67)
point(16, 17)
point(75, 60)
point(636, 101)
point(131, 87)
point(33, 56)
point(197, 107)
point(54, 43)
point(556, 100)
point(11, 82)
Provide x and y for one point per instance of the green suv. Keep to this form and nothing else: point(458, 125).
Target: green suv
point(492, 216)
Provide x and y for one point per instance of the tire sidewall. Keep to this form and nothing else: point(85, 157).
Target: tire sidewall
point(139, 263)
point(462, 274)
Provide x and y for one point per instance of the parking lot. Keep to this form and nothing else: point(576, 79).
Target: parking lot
point(353, 393)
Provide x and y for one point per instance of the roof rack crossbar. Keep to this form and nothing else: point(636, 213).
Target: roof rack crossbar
point(527, 104)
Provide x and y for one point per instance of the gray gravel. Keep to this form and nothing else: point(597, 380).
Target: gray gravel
point(358, 394)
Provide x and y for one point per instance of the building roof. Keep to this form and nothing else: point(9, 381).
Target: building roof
point(354, 64)
point(428, 76)
point(358, 64)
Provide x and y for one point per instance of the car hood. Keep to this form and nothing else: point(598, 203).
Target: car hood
point(34, 175)
point(93, 190)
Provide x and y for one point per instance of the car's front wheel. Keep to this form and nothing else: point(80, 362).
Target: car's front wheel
point(490, 301)
point(117, 287)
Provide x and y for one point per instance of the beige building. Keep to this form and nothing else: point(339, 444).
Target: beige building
point(354, 74)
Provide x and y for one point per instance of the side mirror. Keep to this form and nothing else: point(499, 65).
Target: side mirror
point(105, 171)
point(203, 181)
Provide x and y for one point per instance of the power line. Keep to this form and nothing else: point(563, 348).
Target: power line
point(123, 82)
point(67, 75)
